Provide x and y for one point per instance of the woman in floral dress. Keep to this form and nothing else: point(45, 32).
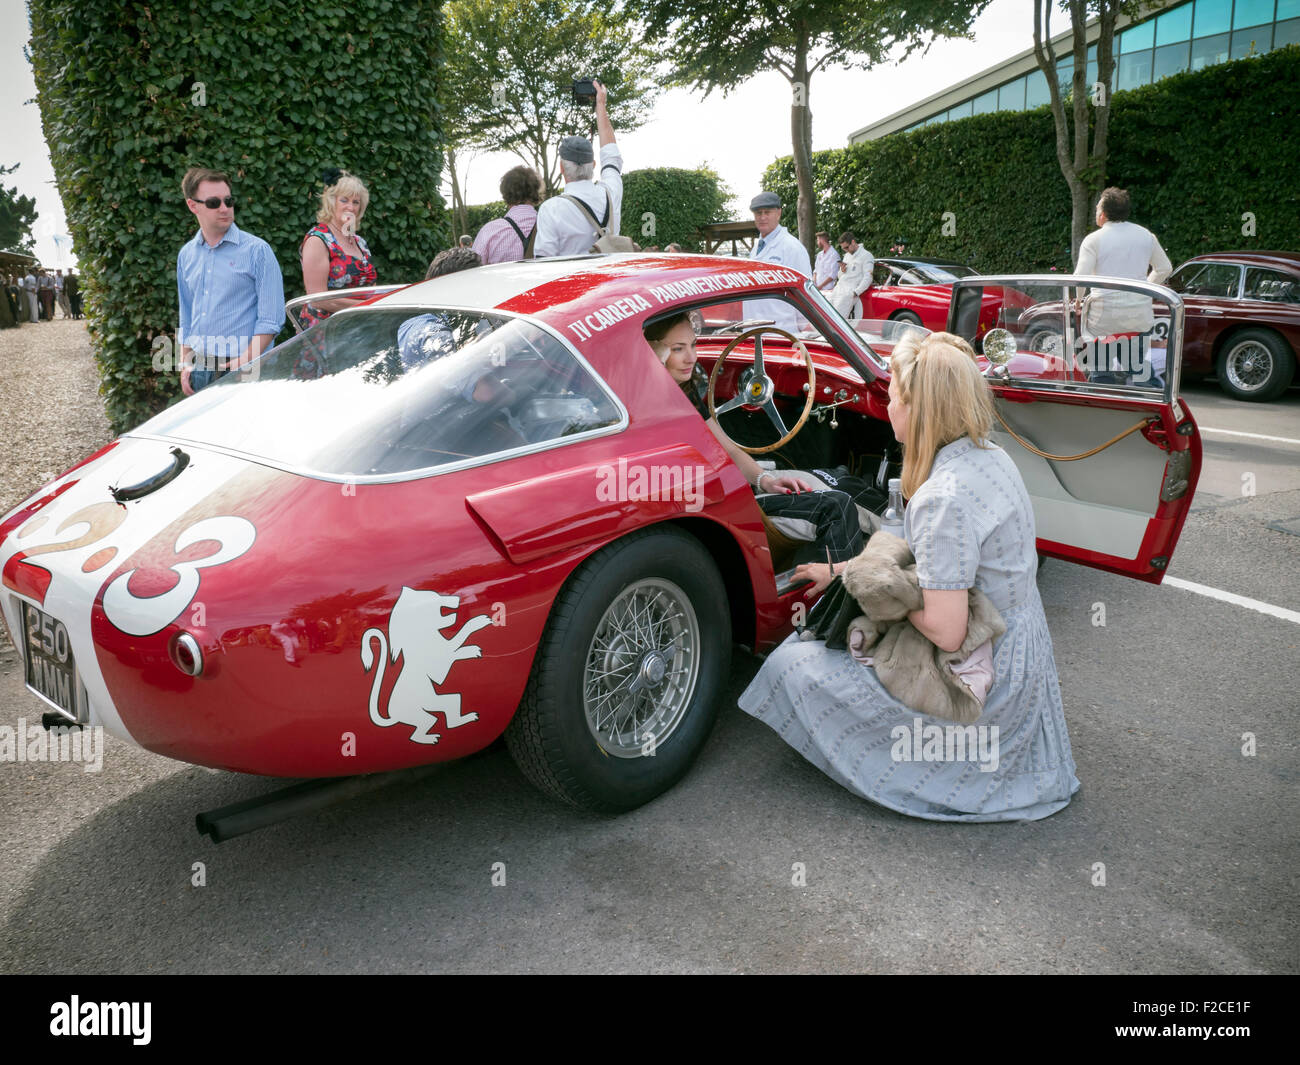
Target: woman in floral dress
point(333, 253)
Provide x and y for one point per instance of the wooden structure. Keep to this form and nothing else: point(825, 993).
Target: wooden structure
point(738, 234)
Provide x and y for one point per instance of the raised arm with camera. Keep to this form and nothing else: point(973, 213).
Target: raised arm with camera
point(563, 227)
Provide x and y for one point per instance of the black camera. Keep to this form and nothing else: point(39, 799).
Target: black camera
point(584, 92)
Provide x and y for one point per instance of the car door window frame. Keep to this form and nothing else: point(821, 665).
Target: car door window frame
point(1067, 285)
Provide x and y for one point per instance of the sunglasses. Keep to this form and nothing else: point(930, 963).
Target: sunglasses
point(213, 202)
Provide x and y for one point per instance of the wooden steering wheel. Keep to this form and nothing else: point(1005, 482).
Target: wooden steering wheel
point(761, 388)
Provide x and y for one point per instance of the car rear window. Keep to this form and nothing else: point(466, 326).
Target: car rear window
point(376, 392)
point(1271, 285)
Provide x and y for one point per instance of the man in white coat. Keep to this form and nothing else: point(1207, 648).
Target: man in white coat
point(563, 227)
point(776, 245)
point(855, 274)
point(1120, 248)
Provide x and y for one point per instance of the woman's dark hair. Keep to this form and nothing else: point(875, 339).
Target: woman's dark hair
point(521, 185)
point(661, 327)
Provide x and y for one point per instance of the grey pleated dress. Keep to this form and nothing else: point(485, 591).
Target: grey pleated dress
point(971, 523)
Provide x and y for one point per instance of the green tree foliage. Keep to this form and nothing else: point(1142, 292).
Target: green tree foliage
point(719, 44)
point(512, 64)
point(17, 216)
point(680, 201)
point(1083, 164)
point(271, 91)
point(987, 190)
point(666, 205)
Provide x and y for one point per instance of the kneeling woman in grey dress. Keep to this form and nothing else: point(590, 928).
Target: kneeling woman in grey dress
point(969, 524)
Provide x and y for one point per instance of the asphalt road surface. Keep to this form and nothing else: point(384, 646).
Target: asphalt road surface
point(1197, 839)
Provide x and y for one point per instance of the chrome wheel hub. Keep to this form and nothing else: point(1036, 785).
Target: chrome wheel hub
point(641, 668)
point(1249, 366)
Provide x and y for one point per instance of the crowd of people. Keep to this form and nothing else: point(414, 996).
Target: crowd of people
point(32, 295)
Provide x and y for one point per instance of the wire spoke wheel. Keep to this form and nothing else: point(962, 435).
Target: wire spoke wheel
point(1249, 365)
point(641, 668)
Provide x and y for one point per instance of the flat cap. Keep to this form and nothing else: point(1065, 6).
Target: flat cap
point(577, 150)
point(764, 199)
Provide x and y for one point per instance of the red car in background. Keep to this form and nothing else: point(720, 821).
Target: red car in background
point(479, 506)
point(918, 291)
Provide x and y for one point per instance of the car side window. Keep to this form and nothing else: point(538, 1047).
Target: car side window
point(1219, 280)
point(882, 275)
point(1270, 285)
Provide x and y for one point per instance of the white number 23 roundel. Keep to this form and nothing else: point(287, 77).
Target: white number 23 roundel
point(142, 616)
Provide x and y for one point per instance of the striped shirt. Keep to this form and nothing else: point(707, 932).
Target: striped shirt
point(497, 242)
point(228, 294)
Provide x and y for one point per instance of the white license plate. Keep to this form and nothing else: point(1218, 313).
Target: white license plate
point(51, 669)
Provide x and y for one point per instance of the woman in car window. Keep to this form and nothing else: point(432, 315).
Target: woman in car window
point(829, 517)
point(968, 523)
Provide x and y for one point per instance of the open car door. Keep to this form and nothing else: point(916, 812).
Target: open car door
point(1084, 372)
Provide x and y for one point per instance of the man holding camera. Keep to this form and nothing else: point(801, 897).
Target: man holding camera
point(563, 227)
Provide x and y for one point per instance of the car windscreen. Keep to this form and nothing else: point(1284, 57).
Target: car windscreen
point(380, 391)
point(934, 274)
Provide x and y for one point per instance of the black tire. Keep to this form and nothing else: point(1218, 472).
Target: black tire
point(1255, 365)
point(552, 737)
point(905, 316)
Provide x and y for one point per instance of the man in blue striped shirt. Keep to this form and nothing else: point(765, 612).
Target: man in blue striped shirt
point(229, 283)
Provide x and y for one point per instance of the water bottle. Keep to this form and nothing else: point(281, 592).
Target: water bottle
point(892, 520)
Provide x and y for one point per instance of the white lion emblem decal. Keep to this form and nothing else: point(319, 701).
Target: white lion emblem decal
point(415, 631)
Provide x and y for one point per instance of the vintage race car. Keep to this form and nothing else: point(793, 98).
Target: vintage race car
point(479, 505)
point(918, 291)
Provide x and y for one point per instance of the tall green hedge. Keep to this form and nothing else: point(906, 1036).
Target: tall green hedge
point(133, 93)
point(1196, 150)
point(681, 201)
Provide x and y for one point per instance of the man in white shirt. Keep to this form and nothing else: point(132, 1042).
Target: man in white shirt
point(826, 270)
point(855, 274)
point(563, 228)
point(1120, 248)
point(776, 245)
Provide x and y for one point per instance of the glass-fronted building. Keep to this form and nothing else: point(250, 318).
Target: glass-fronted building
point(1189, 35)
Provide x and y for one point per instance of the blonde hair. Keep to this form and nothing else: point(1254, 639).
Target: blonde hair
point(346, 184)
point(947, 398)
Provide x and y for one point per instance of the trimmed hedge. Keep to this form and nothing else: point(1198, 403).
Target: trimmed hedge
point(131, 94)
point(680, 200)
point(1196, 150)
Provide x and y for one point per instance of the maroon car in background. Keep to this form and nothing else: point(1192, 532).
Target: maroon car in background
point(1242, 320)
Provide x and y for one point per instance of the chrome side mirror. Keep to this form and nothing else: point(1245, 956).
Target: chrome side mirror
point(999, 346)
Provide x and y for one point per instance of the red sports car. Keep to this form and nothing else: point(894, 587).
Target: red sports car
point(479, 505)
point(917, 292)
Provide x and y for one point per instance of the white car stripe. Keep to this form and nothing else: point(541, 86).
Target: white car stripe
point(71, 593)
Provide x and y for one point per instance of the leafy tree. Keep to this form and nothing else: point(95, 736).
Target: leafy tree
point(719, 44)
point(1083, 165)
point(17, 215)
point(511, 66)
point(133, 93)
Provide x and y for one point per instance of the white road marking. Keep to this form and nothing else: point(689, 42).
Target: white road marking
point(1252, 436)
point(1237, 600)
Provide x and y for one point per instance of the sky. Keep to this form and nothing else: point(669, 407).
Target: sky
point(737, 135)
